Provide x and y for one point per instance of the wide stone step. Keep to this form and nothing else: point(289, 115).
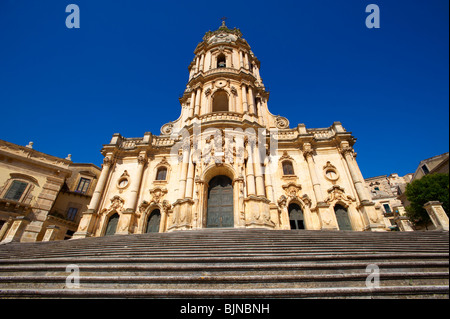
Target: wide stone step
point(231, 259)
point(225, 282)
point(231, 263)
point(222, 269)
point(426, 291)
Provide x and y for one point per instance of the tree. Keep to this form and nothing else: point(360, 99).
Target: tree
point(434, 187)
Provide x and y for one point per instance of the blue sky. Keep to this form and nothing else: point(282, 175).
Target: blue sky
point(122, 71)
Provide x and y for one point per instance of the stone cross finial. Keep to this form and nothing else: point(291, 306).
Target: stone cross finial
point(223, 21)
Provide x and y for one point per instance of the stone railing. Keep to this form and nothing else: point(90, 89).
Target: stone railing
point(221, 116)
point(286, 134)
point(16, 207)
point(130, 143)
point(221, 70)
point(162, 141)
point(321, 134)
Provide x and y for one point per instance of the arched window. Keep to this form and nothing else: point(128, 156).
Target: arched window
point(221, 61)
point(288, 168)
point(220, 101)
point(161, 174)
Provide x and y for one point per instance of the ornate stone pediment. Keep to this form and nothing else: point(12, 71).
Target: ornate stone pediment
point(116, 204)
point(337, 193)
point(292, 189)
point(157, 193)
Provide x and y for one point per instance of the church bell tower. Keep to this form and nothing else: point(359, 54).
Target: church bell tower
point(228, 162)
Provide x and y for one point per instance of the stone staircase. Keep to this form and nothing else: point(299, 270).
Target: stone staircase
point(231, 263)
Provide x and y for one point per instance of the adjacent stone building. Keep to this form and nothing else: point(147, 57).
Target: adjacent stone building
point(227, 161)
point(384, 191)
point(42, 197)
point(432, 165)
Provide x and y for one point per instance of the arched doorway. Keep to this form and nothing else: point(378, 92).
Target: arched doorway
point(342, 217)
point(153, 222)
point(296, 216)
point(220, 203)
point(112, 225)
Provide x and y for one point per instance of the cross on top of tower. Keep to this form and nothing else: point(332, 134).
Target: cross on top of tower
point(223, 21)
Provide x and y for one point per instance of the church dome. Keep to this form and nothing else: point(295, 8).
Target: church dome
point(222, 35)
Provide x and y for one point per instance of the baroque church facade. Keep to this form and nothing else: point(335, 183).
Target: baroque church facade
point(228, 162)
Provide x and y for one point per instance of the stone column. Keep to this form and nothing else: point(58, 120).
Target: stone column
point(347, 152)
point(307, 153)
point(250, 176)
point(268, 181)
point(136, 183)
point(87, 222)
point(246, 60)
point(373, 219)
point(202, 60)
point(251, 100)
point(437, 215)
point(197, 62)
point(258, 172)
point(197, 102)
point(191, 104)
point(244, 98)
point(328, 221)
point(184, 168)
point(190, 179)
point(241, 59)
point(260, 116)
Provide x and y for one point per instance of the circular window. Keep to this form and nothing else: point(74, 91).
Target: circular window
point(123, 182)
point(331, 173)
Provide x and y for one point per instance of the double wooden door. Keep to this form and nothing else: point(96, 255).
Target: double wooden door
point(220, 203)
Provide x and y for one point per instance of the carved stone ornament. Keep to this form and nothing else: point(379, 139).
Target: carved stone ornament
point(282, 122)
point(292, 189)
point(167, 129)
point(142, 207)
point(157, 193)
point(141, 160)
point(337, 193)
point(285, 156)
point(347, 149)
point(282, 201)
point(116, 203)
point(107, 161)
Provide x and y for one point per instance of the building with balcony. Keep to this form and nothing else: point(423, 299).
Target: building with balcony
point(42, 197)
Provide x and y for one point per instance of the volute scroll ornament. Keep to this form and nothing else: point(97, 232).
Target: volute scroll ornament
point(281, 122)
point(167, 129)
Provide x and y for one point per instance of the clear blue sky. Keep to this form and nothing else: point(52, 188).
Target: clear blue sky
point(69, 90)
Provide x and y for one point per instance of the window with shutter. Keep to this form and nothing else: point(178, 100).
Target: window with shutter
point(16, 190)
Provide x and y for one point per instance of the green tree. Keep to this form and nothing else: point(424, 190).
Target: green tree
point(434, 187)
